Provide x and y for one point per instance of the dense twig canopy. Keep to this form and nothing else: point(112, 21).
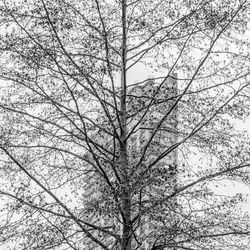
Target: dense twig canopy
point(91, 160)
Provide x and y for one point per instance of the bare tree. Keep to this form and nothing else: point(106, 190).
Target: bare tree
point(78, 169)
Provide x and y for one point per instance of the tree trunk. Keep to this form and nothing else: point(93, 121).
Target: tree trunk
point(127, 226)
point(125, 194)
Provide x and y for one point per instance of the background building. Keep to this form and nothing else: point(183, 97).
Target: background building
point(157, 99)
point(147, 104)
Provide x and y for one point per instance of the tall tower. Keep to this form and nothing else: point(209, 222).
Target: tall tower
point(148, 104)
point(152, 103)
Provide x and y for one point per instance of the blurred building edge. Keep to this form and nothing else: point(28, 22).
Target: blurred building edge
point(147, 105)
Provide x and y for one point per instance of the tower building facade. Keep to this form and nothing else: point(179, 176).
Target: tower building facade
point(152, 130)
point(153, 105)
